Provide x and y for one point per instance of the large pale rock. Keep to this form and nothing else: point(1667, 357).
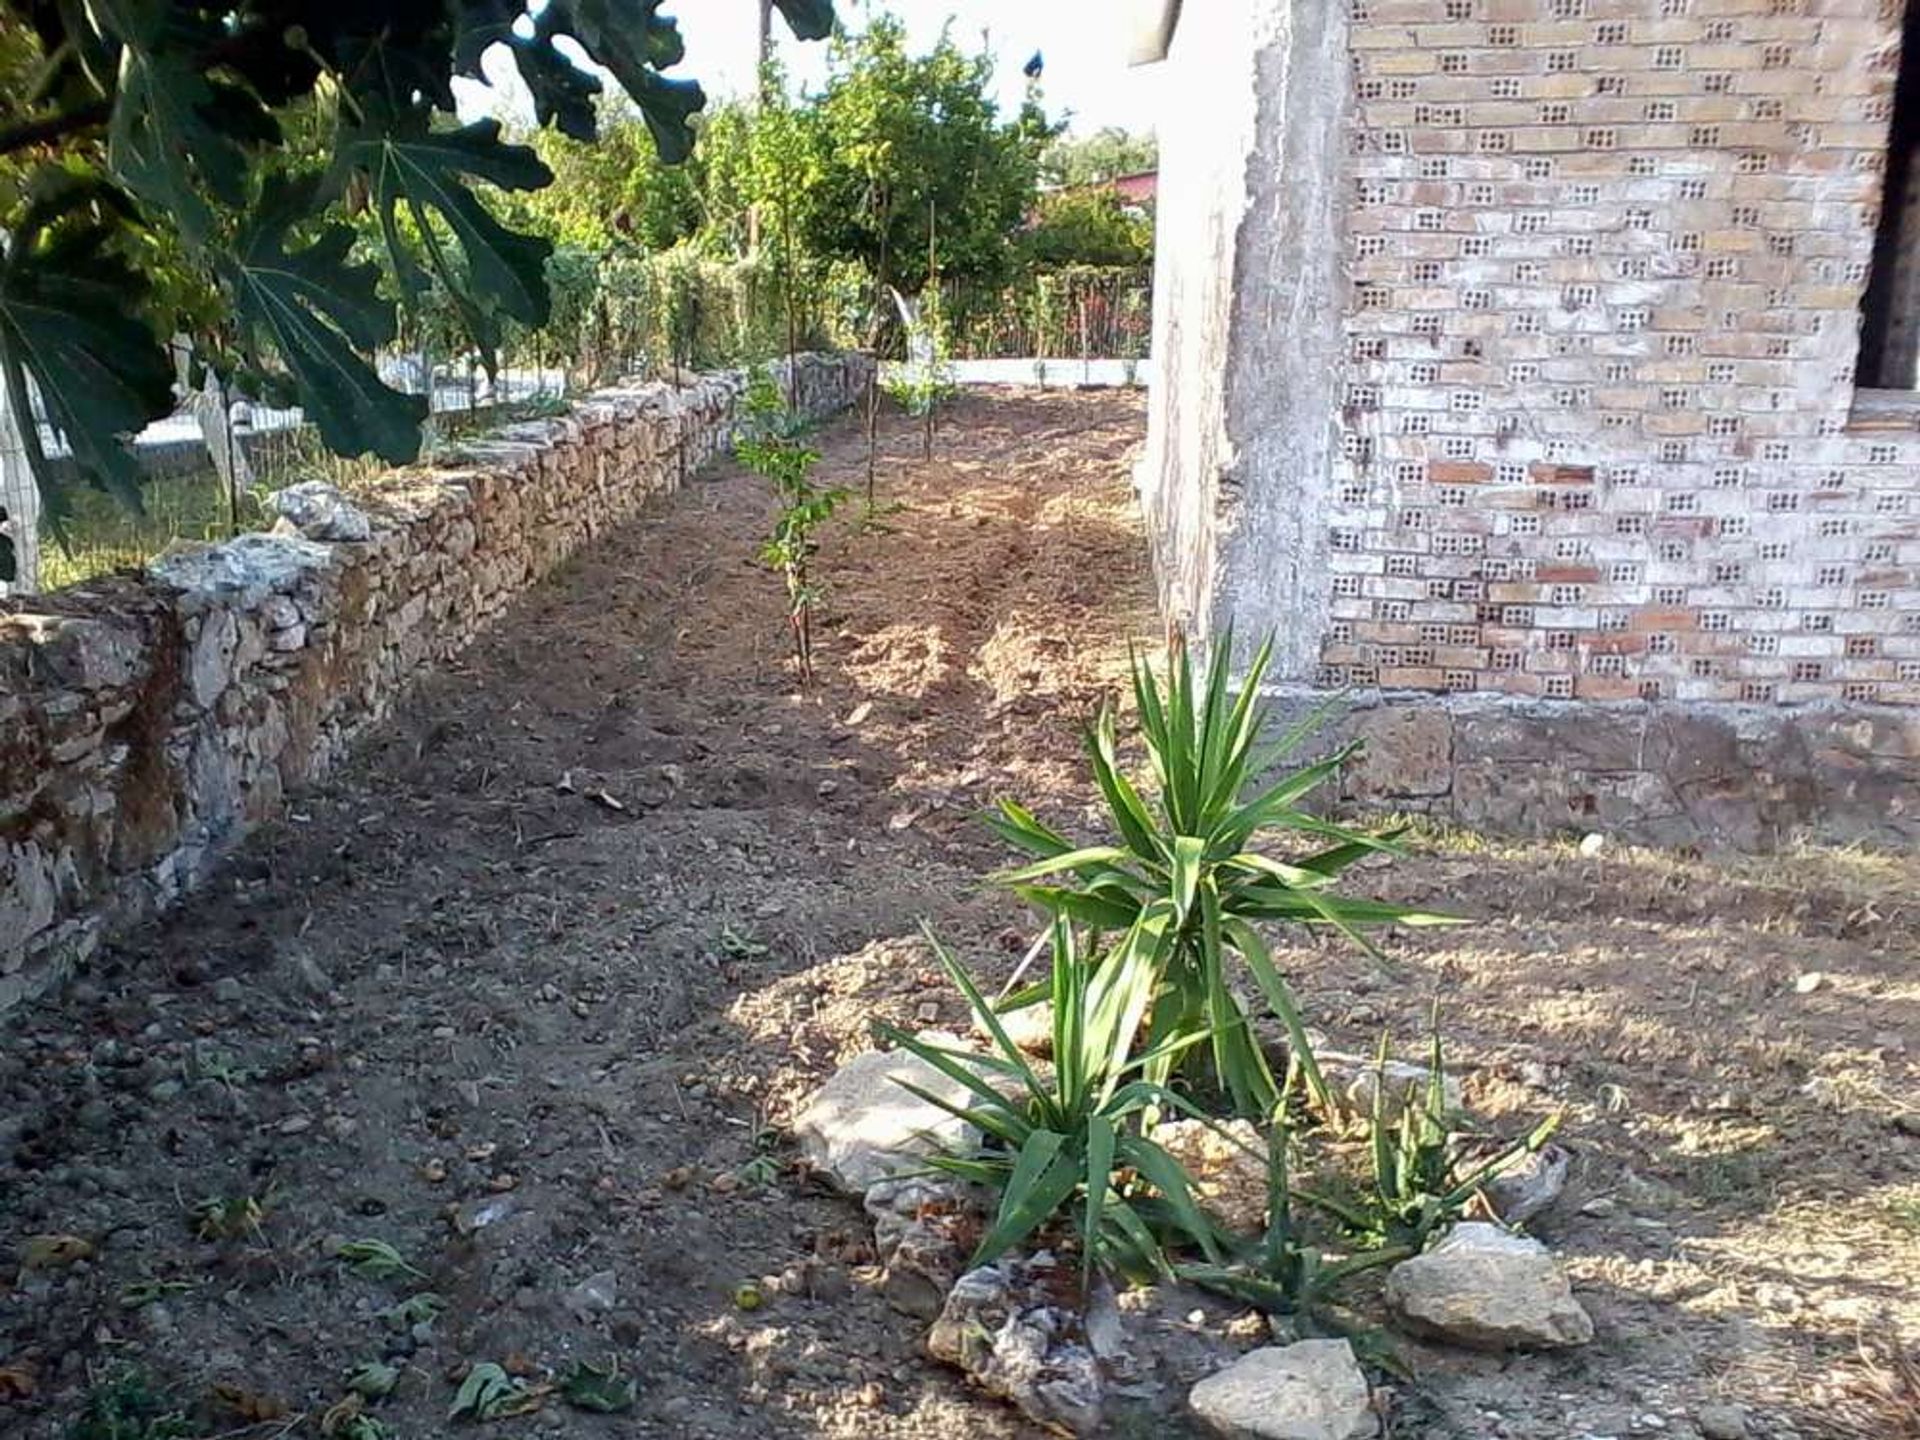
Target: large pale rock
point(319, 511)
point(864, 1125)
point(1012, 1329)
point(1311, 1390)
point(242, 571)
point(1486, 1288)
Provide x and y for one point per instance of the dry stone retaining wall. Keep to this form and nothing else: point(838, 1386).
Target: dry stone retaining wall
point(147, 723)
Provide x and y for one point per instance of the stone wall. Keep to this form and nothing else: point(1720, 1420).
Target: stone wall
point(1745, 777)
point(1572, 421)
point(147, 723)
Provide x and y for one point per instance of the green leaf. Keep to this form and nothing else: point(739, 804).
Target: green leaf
point(67, 308)
point(489, 1393)
point(1189, 852)
point(377, 1260)
point(808, 19)
point(1092, 857)
point(1099, 1170)
point(1017, 825)
point(1246, 940)
point(601, 1389)
point(1129, 812)
point(633, 40)
point(373, 1379)
point(983, 1008)
point(1101, 911)
point(171, 126)
point(1163, 1172)
point(316, 309)
point(1044, 1174)
point(424, 174)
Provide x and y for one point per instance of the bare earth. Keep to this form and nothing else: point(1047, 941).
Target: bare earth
point(525, 989)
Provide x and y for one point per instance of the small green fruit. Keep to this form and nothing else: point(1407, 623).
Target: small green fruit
point(748, 1296)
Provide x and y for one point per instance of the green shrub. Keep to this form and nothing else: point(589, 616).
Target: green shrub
point(1071, 1141)
point(1183, 888)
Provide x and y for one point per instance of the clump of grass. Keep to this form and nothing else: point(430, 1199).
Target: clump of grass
point(377, 1260)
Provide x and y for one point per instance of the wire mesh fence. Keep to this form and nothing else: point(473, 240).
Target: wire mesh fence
point(1079, 313)
point(207, 470)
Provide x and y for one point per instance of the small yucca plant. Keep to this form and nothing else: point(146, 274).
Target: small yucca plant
point(1071, 1141)
point(1181, 885)
point(1418, 1189)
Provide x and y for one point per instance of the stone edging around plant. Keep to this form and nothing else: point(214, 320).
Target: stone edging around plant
point(147, 723)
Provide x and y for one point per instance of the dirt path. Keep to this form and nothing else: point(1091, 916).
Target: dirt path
point(528, 989)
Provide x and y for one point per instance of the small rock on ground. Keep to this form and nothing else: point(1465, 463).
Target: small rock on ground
point(1311, 1390)
point(1006, 1328)
point(1530, 1185)
point(1721, 1422)
point(1491, 1290)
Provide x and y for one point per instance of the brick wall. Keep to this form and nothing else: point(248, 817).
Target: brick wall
point(1606, 261)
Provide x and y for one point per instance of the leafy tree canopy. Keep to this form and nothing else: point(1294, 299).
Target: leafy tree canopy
point(1095, 159)
point(1087, 227)
point(190, 168)
point(903, 143)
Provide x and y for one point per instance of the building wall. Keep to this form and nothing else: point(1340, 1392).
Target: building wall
point(1608, 258)
point(147, 724)
point(1596, 440)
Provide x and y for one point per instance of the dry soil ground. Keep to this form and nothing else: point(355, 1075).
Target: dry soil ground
point(528, 989)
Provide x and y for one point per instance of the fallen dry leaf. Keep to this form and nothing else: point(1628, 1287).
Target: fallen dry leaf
point(17, 1381)
point(46, 1252)
point(248, 1406)
point(334, 1419)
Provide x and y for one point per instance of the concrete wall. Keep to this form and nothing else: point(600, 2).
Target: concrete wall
point(146, 724)
point(1537, 383)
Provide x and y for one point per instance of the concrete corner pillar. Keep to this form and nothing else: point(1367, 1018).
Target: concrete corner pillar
point(1250, 290)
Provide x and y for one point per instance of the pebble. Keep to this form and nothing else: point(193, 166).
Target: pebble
point(95, 1115)
point(295, 1125)
point(1811, 981)
point(1721, 1422)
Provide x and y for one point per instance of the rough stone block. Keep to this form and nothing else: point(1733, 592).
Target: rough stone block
point(863, 1125)
point(1311, 1390)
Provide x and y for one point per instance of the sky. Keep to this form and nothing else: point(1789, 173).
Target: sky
point(1085, 80)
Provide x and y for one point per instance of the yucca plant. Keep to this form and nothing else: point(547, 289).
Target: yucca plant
point(1280, 1273)
point(1180, 883)
point(1071, 1141)
point(1418, 1189)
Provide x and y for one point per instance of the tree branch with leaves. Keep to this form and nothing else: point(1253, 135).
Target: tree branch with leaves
point(179, 169)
